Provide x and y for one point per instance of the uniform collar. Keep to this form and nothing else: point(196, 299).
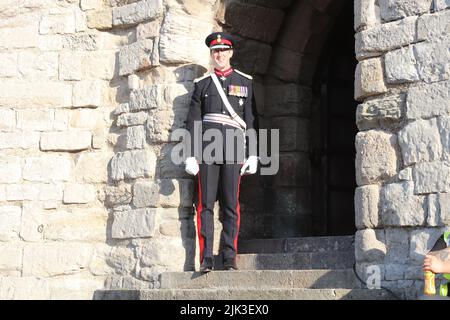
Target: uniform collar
point(224, 73)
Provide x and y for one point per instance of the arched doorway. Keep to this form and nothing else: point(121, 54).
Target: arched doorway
point(302, 57)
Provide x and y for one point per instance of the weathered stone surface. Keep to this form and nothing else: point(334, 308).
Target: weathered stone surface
point(132, 119)
point(19, 140)
point(433, 60)
point(66, 141)
point(79, 193)
point(164, 251)
point(444, 208)
point(134, 13)
point(400, 66)
point(294, 133)
point(179, 29)
point(122, 108)
point(85, 119)
point(397, 244)
point(31, 222)
point(133, 164)
point(148, 30)
point(70, 66)
point(385, 37)
point(366, 206)
point(92, 167)
point(168, 169)
point(433, 26)
point(145, 194)
point(9, 67)
point(161, 124)
point(420, 141)
point(369, 247)
point(54, 259)
point(24, 288)
point(444, 129)
point(176, 192)
point(378, 113)
point(34, 192)
point(10, 222)
point(48, 168)
point(426, 101)
point(99, 65)
point(117, 195)
point(135, 137)
point(148, 98)
point(138, 56)
point(7, 120)
point(400, 207)
point(76, 225)
point(422, 240)
point(82, 42)
point(369, 78)
point(38, 65)
point(366, 14)
point(254, 22)
point(294, 170)
point(100, 19)
point(433, 210)
point(19, 37)
point(139, 223)
point(11, 259)
point(87, 93)
point(376, 157)
point(10, 169)
point(91, 4)
point(431, 177)
point(31, 119)
point(122, 260)
point(60, 24)
point(253, 56)
point(397, 9)
point(405, 174)
point(441, 4)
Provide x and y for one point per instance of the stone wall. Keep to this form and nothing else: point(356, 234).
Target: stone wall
point(402, 82)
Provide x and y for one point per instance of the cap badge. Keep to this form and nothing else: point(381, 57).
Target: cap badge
point(219, 39)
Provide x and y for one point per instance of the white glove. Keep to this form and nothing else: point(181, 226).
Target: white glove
point(250, 165)
point(191, 166)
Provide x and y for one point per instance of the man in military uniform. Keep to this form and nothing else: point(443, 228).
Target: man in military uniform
point(233, 110)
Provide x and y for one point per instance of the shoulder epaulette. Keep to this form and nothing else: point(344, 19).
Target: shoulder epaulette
point(201, 78)
point(244, 74)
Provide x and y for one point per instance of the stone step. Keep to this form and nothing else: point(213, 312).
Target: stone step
point(261, 279)
point(264, 294)
point(293, 261)
point(296, 245)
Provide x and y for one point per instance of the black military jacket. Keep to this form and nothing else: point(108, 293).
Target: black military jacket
point(238, 87)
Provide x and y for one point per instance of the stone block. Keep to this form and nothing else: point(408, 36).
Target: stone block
point(91, 4)
point(148, 30)
point(164, 251)
point(395, 272)
point(133, 164)
point(19, 37)
point(54, 259)
point(385, 37)
point(66, 141)
point(441, 4)
point(122, 260)
point(99, 65)
point(366, 206)
point(399, 206)
point(92, 167)
point(420, 142)
point(426, 101)
point(382, 112)
point(85, 119)
point(7, 120)
point(11, 259)
point(70, 66)
point(79, 193)
point(145, 194)
point(376, 157)
point(48, 168)
point(57, 24)
point(10, 169)
point(433, 60)
point(118, 195)
point(135, 137)
point(61, 119)
point(433, 26)
point(87, 93)
point(253, 56)
point(10, 217)
point(179, 29)
point(169, 169)
point(24, 288)
point(138, 56)
point(137, 12)
point(294, 133)
point(398, 9)
point(50, 42)
point(444, 208)
point(254, 22)
point(34, 192)
point(76, 225)
point(31, 222)
point(38, 65)
point(369, 78)
point(294, 170)
point(366, 14)
point(397, 243)
point(19, 140)
point(35, 120)
point(431, 177)
point(369, 247)
point(37, 93)
point(176, 192)
point(100, 19)
point(400, 66)
point(132, 119)
point(139, 223)
point(422, 241)
point(9, 65)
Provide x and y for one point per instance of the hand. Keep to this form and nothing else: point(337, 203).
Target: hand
point(433, 264)
point(191, 166)
point(250, 165)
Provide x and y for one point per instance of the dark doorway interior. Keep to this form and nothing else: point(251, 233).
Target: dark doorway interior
point(333, 132)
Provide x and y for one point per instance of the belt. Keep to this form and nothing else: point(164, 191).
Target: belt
point(222, 119)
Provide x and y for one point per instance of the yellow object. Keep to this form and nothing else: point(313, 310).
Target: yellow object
point(443, 290)
point(429, 285)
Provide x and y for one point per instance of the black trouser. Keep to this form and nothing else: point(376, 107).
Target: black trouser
point(211, 178)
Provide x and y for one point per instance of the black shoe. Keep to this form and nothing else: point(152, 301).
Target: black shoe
point(207, 265)
point(230, 264)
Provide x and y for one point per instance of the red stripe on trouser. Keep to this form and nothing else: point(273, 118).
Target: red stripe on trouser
point(201, 241)
point(238, 210)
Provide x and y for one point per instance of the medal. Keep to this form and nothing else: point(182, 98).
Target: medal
point(241, 102)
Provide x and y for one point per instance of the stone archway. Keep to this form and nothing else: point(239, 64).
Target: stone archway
point(282, 46)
